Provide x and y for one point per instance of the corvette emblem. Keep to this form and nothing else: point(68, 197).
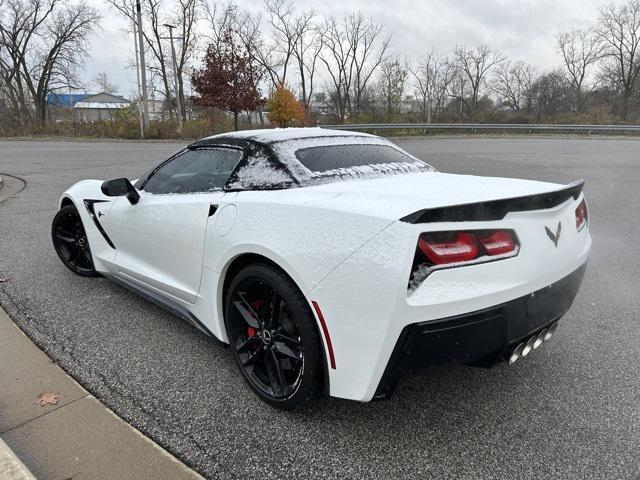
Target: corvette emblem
point(554, 237)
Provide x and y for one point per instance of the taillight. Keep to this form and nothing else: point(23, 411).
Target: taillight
point(582, 215)
point(441, 248)
point(438, 250)
point(497, 242)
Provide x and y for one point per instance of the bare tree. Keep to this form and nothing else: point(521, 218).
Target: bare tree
point(152, 37)
point(446, 77)
point(456, 89)
point(551, 94)
point(42, 44)
point(512, 84)
point(292, 40)
point(475, 64)
point(104, 85)
point(19, 22)
point(306, 52)
point(184, 16)
point(580, 49)
point(219, 18)
point(275, 51)
point(393, 75)
point(336, 57)
point(352, 52)
point(367, 54)
point(427, 81)
point(619, 29)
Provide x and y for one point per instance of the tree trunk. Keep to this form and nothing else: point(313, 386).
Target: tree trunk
point(625, 106)
point(183, 106)
point(235, 121)
point(41, 112)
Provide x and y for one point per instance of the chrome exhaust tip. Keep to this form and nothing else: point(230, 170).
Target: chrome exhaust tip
point(551, 331)
point(515, 355)
point(544, 334)
point(528, 346)
point(539, 339)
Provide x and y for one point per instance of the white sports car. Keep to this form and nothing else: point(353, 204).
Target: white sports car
point(331, 261)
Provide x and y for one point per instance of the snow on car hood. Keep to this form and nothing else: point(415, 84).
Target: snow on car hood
point(399, 195)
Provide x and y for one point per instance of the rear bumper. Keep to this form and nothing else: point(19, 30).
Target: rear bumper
point(479, 338)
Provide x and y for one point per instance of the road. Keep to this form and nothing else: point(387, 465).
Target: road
point(570, 410)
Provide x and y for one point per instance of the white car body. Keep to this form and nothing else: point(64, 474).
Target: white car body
point(343, 243)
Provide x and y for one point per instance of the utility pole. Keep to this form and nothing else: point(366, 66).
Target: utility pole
point(175, 77)
point(140, 111)
point(143, 68)
point(461, 95)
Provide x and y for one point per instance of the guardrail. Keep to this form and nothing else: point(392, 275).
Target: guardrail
point(475, 127)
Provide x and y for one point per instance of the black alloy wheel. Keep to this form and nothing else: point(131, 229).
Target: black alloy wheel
point(71, 243)
point(273, 335)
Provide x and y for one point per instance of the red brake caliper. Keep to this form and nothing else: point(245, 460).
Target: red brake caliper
point(252, 332)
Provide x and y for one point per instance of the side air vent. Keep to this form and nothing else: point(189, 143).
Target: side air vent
point(89, 205)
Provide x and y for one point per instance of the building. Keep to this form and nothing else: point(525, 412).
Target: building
point(84, 107)
point(101, 106)
point(65, 100)
point(409, 104)
point(319, 104)
point(60, 105)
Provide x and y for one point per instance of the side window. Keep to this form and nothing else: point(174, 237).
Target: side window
point(194, 171)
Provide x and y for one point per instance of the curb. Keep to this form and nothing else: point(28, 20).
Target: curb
point(11, 468)
point(87, 435)
point(10, 186)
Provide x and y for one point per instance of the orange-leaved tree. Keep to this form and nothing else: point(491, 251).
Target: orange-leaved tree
point(284, 109)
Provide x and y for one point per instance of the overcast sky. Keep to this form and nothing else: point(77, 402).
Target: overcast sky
point(520, 29)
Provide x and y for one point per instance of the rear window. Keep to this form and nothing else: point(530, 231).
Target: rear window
point(333, 157)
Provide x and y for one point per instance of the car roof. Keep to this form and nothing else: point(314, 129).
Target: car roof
point(274, 135)
point(270, 160)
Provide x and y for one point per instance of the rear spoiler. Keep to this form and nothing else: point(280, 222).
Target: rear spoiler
point(496, 209)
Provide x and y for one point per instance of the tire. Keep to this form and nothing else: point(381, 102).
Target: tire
point(70, 242)
point(273, 336)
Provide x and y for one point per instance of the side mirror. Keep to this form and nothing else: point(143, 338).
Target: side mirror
point(120, 187)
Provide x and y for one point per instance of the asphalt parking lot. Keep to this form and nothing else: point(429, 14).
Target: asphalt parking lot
point(570, 410)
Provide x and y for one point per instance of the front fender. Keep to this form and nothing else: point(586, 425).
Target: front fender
point(82, 190)
point(103, 254)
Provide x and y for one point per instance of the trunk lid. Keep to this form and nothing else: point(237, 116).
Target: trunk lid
point(399, 196)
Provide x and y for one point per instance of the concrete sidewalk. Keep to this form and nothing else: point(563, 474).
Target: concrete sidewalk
point(78, 437)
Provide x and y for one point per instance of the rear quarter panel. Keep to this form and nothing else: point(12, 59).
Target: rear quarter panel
point(305, 239)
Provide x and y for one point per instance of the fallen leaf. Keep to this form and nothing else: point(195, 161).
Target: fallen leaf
point(48, 398)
